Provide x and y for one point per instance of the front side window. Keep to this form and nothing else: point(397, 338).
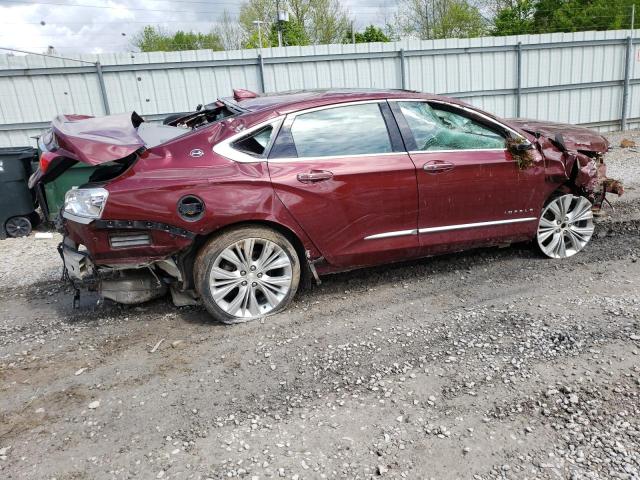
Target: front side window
point(349, 130)
point(256, 143)
point(439, 129)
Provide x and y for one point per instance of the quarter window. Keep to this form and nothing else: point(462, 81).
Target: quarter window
point(436, 129)
point(349, 130)
point(256, 143)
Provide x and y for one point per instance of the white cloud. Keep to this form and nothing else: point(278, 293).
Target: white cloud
point(72, 29)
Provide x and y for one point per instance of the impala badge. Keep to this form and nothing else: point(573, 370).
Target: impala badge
point(196, 153)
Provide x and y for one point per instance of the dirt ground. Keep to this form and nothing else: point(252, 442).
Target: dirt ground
point(494, 363)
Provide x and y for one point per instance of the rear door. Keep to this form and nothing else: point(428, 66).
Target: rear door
point(343, 173)
point(470, 187)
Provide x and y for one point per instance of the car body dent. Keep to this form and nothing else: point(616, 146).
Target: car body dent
point(574, 154)
point(353, 219)
point(232, 192)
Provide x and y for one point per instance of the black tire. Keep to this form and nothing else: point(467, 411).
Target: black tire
point(204, 262)
point(18, 227)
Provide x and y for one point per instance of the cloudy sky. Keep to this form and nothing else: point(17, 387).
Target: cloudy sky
point(107, 25)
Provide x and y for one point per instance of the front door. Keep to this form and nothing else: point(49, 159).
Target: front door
point(343, 174)
point(471, 191)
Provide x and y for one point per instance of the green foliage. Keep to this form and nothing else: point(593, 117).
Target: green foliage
point(155, 39)
point(370, 34)
point(547, 16)
point(293, 33)
point(429, 19)
point(460, 20)
point(310, 21)
point(515, 20)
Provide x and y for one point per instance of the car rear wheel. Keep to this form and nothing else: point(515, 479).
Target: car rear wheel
point(565, 227)
point(247, 273)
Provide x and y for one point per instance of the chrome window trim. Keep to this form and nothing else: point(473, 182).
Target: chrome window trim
point(292, 115)
point(356, 155)
point(225, 149)
point(446, 228)
point(462, 150)
point(461, 107)
point(288, 122)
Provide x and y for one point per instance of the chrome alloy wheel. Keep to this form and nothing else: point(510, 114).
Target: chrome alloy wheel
point(250, 278)
point(565, 227)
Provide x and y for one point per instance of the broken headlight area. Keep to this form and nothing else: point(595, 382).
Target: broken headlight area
point(591, 178)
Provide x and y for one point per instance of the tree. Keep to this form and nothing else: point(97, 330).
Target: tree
point(261, 10)
point(427, 19)
point(230, 32)
point(328, 21)
point(546, 16)
point(154, 39)
point(293, 33)
point(515, 20)
point(580, 15)
point(370, 34)
point(310, 21)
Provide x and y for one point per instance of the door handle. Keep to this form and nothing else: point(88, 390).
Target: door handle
point(315, 176)
point(437, 166)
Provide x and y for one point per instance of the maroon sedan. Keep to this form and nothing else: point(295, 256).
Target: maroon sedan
point(233, 204)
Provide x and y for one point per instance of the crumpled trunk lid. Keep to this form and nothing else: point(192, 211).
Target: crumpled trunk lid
point(97, 140)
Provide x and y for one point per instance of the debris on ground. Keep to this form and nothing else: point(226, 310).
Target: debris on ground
point(490, 364)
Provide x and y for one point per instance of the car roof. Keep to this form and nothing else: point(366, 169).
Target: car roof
point(292, 101)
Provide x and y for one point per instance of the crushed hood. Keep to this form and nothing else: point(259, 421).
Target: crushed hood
point(573, 137)
point(96, 140)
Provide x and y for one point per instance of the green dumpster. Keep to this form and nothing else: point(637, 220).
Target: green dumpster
point(55, 191)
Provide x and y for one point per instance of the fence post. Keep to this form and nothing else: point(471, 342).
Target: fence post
point(625, 87)
point(103, 89)
point(261, 68)
point(403, 73)
point(518, 79)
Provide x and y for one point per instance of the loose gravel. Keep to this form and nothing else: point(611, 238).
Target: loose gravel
point(491, 364)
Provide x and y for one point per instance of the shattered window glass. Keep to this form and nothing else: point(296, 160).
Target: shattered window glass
point(435, 129)
point(348, 130)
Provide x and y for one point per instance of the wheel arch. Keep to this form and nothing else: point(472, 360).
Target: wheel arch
point(200, 241)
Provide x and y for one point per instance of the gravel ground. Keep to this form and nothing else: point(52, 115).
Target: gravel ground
point(494, 363)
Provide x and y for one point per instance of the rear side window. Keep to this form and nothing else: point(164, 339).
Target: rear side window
point(349, 130)
point(256, 143)
point(439, 129)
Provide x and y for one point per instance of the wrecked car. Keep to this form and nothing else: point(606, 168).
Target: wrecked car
point(234, 205)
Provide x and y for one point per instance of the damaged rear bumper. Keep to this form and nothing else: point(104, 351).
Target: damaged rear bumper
point(122, 285)
point(131, 266)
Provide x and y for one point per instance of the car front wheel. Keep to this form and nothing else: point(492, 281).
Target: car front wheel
point(247, 273)
point(565, 227)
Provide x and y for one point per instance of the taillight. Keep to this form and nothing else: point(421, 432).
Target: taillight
point(45, 160)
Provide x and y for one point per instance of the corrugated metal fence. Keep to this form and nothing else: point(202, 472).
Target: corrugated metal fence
point(589, 78)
